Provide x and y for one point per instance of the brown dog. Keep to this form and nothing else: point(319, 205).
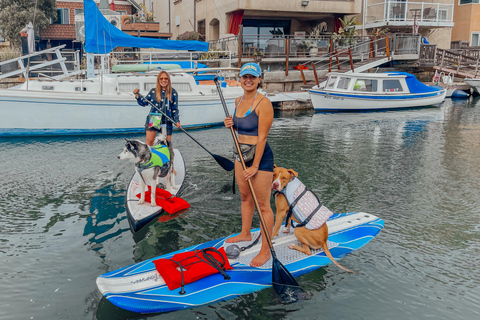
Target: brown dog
point(309, 238)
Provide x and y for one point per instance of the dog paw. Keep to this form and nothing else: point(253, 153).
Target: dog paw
point(141, 201)
point(153, 204)
point(291, 246)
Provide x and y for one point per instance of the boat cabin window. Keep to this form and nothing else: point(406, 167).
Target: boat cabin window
point(128, 87)
point(182, 87)
point(392, 85)
point(343, 83)
point(366, 85)
point(149, 86)
point(331, 82)
point(49, 88)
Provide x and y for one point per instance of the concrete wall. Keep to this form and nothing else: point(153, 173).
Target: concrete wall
point(213, 10)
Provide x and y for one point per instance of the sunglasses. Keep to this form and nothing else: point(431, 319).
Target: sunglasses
point(249, 77)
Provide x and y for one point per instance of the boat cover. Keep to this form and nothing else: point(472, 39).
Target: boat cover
point(101, 36)
point(414, 85)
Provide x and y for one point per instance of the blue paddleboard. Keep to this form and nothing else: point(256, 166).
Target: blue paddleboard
point(140, 288)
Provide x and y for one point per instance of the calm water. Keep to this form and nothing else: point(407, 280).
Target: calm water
point(63, 221)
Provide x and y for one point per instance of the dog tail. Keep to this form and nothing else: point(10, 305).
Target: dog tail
point(329, 255)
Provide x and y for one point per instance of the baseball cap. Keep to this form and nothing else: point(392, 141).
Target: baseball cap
point(251, 68)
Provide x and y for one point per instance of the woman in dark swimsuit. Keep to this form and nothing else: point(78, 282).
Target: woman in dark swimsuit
point(252, 119)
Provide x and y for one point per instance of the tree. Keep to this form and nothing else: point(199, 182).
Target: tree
point(15, 14)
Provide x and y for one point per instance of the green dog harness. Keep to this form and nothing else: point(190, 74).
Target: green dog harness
point(160, 156)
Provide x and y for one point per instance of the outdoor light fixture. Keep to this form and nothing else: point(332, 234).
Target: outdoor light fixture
point(304, 3)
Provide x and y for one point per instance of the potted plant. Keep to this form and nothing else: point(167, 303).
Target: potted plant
point(258, 55)
point(313, 41)
point(347, 31)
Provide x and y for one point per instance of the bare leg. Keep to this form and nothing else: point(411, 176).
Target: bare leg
point(150, 137)
point(247, 207)
point(262, 185)
point(172, 154)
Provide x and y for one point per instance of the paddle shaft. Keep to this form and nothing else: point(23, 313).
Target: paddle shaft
point(250, 185)
point(173, 121)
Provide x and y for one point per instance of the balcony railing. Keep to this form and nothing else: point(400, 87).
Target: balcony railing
point(400, 13)
point(253, 46)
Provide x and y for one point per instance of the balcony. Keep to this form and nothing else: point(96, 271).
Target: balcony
point(406, 13)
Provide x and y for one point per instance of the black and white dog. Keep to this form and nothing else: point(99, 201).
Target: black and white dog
point(151, 163)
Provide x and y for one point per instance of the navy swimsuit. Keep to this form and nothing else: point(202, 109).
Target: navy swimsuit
point(248, 125)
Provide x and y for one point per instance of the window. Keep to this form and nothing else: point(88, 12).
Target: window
point(366, 85)
point(475, 39)
point(201, 28)
point(78, 11)
point(343, 83)
point(257, 32)
point(63, 16)
point(392, 86)
point(468, 1)
point(331, 82)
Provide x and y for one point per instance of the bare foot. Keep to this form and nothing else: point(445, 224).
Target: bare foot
point(260, 259)
point(240, 237)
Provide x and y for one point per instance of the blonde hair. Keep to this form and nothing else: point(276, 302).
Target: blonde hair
point(158, 88)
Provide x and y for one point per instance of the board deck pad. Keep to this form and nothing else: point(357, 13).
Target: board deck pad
point(139, 215)
point(140, 288)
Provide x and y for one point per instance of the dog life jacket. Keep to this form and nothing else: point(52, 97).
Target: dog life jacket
point(159, 156)
point(304, 204)
point(187, 267)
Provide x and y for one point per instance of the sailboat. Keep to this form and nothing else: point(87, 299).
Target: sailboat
point(103, 103)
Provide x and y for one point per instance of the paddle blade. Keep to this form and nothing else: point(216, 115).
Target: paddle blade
point(224, 162)
point(285, 284)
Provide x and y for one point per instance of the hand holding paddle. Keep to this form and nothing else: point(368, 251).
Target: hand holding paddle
point(223, 162)
point(283, 282)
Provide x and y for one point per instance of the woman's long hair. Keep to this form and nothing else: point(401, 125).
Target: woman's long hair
point(158, 89)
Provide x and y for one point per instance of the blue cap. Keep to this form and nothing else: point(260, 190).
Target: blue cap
point(251, 68)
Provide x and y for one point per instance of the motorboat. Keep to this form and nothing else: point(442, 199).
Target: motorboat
point(473, 83)
point(373, 91)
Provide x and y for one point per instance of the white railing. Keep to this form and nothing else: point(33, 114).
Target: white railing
point(406, 13)
point(23, 67)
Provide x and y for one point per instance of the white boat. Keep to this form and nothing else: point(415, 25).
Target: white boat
point(104, 104)
point(374, 91)
point(473, 83)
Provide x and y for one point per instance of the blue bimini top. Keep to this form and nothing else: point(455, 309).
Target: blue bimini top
point(414, 85)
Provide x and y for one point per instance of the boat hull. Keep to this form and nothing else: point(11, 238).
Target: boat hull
point(324, 100)
point(44, 113)
point(474, 83)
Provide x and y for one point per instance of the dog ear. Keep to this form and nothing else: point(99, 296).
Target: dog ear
point(292, 172)
point(274, 166)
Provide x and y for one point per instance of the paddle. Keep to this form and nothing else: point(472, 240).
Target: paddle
point(283, 282)
point(223, 162)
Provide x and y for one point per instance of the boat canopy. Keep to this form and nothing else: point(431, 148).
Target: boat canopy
point(102, 37)
point(413, 84)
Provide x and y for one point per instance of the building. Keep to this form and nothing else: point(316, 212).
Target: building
point(68, 28)
point(467, 22)
point(215, 19)
point(432, 19)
